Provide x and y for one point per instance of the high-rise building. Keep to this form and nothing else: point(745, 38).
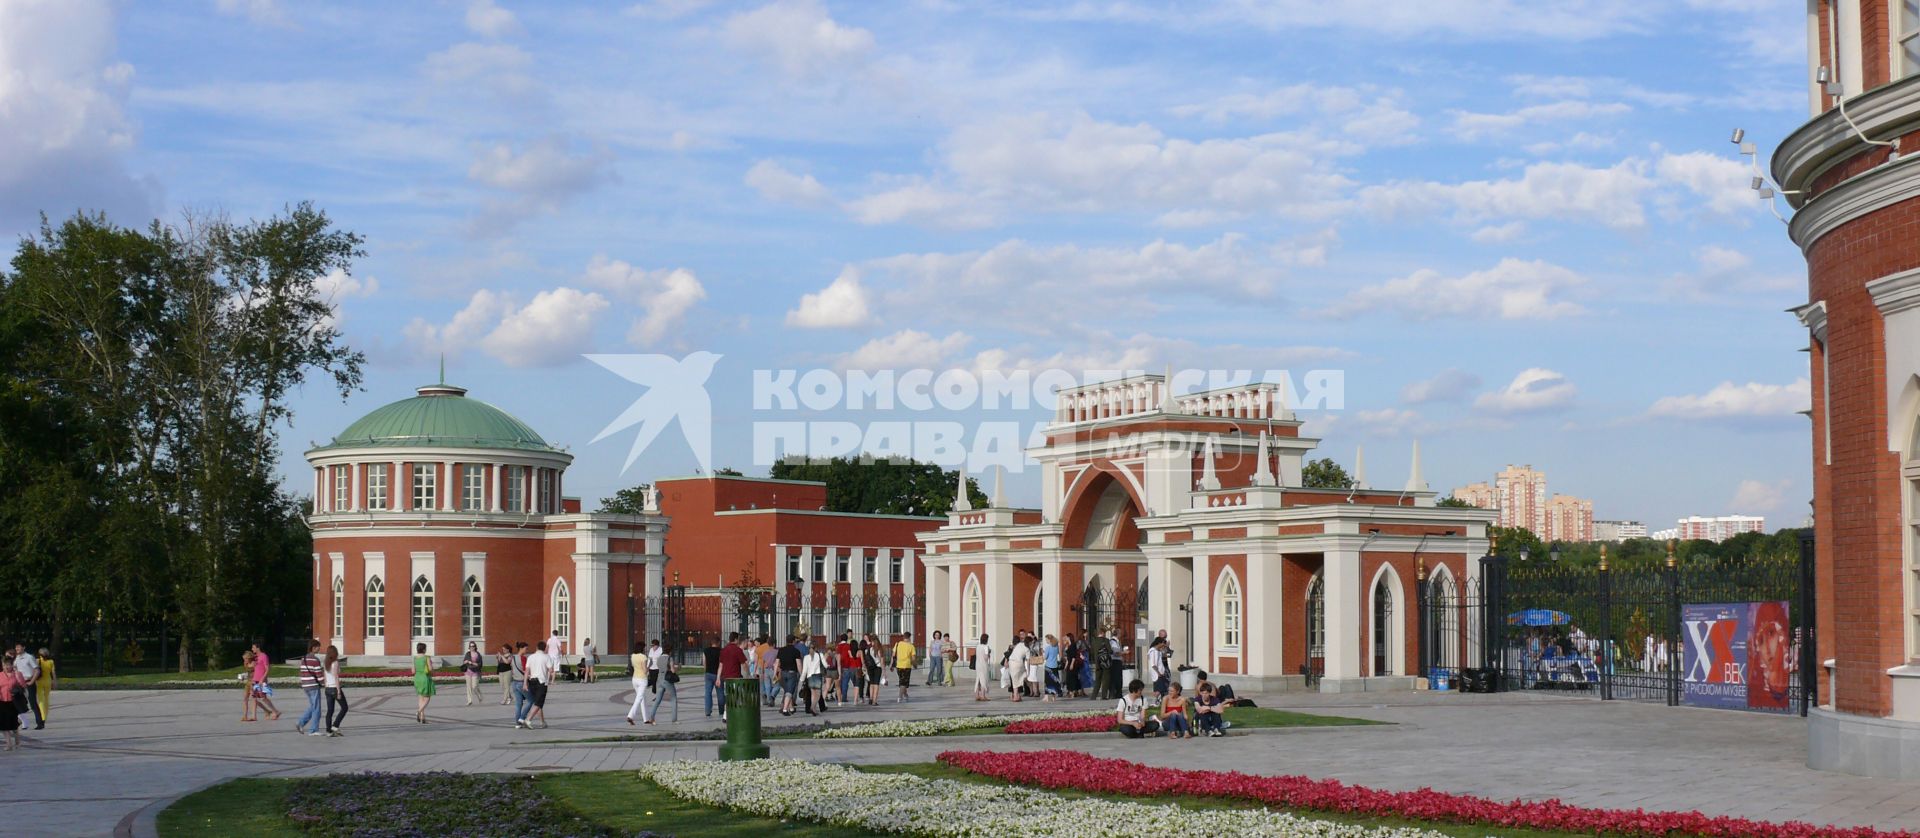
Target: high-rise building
point(1520, 494)
point(1568, 519)
point(1476, 494)
point(1618, 530)
point(1849, 176)
point(1718, 528)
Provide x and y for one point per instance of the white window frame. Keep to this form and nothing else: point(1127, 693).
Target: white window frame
point(339, 607)
point(1229, 602)
point(1906, 33)
point(562, 603)
point(976, 612)
point(473, 492)
point(425, 486)
point(377, 486)
point(376, 610)
point(516, 488)
point(896, 569)
point(842, 566)
point(342, 487)
point(869, 565)
point(420, 612)
point(472, 620)
point(793, 567)
point(819, 566)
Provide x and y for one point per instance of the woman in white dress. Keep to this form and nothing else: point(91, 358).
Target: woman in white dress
point(982, 656)
point(1017, 667)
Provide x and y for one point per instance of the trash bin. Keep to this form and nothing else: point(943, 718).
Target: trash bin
point(1442, 680)
point(1189, 679)
point(1126, 677)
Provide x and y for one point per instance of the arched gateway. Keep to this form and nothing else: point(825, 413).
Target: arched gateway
point(1184, 514)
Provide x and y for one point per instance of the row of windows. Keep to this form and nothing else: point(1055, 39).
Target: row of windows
point(842, 564)
point(421, 602)
point(425, 487)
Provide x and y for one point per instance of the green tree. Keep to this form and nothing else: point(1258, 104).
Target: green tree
point(1324, 473)
point(892, 487)
point(628, 501)
point(1512, 540)
point(1453, 503)
point(164, 359)
point(726, 471)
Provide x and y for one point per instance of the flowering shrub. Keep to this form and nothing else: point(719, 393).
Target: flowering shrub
point(935, 727)
point(902, 803)
point(1102, 723)
point(1076, 770)
point(384, 805)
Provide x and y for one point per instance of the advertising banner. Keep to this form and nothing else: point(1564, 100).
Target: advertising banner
point(1738, 655)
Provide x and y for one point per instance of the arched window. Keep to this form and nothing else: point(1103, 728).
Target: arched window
point(1039, 609)
point(976, 617)
point(1317, 617)
point(1382, 626)
point(562, 609)
point(376, 607)
point(1227, 606)
point(339, 607)
point(422, 608)
point(470, 625)
point(1446, 623)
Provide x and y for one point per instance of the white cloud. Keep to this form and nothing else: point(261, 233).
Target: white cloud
point(1611, 196)
point(775, 183)
point(499, 68)
point(1387, 422)
point(555, 327)
point(1363, 113)
point(63, 105)
point(1449, 386)
point(664, 296)
point(489, 20)
point(667, 9)
point(1532, 391)
point(1725, 276)
point(1729, 401)
point(799, 37)
point(1511, 290)
point(921, 203)
point(1716, 259)
point(1470, 20)
point(905, 349)
point(842, 304)
point(1760, 496)
point(1722, 182)
point(338, 285)
point(1468, 125)
point(540, 177)
point(1500, 233)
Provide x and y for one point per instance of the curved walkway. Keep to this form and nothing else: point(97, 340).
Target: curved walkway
point(136, 748)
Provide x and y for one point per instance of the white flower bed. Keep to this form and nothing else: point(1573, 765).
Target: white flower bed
point(902, 803)
point(935, 727)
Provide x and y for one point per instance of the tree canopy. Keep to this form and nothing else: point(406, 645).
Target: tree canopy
point(146, 373)
point(891, 487)
point(1324, 473)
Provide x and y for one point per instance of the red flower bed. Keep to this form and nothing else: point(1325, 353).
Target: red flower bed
point(1060, 769)
point(1084, 724)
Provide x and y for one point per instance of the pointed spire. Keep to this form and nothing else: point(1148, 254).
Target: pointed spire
point(1209, 481)
point(1359, 467)
point(1414, 481)
point(999, 487)
point(443, 368)
point(1166, 392)
point(1263, 471)
point(961, 502)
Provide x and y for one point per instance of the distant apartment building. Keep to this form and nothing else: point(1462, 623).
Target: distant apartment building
point(1718, 528)
point(1519, 495)
point(1618, 530)
point(1668, 534)
point(1568, 519)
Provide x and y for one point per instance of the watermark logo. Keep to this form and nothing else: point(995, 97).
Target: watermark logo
point(676, 392)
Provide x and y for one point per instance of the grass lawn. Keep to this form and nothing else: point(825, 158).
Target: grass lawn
point(937, 771)
point(618, 801)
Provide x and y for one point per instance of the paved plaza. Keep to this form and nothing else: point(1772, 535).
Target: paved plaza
point(109, 760)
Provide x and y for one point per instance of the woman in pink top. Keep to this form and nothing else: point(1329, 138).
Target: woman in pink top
point(262, 693)
point(10, 687)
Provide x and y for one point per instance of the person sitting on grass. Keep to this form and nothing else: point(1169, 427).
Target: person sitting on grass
point(1173, 714)
point(1206, 710)
point(1130, 717)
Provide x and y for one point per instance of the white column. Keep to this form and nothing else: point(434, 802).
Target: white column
point(1050, 598)
point(1341, 575)
point(1199, 650)
point(397, 484)
point(319, 503)
point(950, 595)
point(590, 580)
point(1161, 610)
point(1264, 607)
point(451, 484)
point(356, 496)
point(997, 601)
point(499, 483)
point(858, 573)
point(656, 592)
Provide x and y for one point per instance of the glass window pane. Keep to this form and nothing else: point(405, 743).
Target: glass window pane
point(1910, 54)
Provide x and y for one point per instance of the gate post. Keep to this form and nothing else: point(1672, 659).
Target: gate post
point(1606, 628)
point(1809, 661)
point(1425, 621)
point(1673, 628)
point(1493, 602)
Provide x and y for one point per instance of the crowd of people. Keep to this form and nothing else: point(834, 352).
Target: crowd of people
point(26, 684)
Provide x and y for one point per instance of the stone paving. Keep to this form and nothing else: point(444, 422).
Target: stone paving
point(110, 760)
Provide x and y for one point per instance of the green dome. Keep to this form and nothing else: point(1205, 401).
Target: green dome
point(441, 416)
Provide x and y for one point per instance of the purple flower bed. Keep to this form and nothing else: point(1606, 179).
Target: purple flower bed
point(434, 804)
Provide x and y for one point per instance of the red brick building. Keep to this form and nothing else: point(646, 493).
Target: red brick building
point(1857, 191)
point(439, 519)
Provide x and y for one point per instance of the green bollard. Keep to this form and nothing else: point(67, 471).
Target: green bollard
point(743, 721)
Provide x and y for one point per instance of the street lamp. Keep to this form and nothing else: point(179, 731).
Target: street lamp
point(1553, 553)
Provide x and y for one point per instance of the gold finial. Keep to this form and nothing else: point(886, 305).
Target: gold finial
point(1493, 544)
point(1670, 561)
point(676, 577)
point(1603, 557)
point(1420, 567)
point(629, 590)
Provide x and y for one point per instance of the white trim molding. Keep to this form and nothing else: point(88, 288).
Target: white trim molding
point(1892, 293)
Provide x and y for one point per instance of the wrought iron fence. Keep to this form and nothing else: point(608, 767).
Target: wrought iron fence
point(1122, 610)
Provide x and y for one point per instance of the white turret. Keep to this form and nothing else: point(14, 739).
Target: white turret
point(1263, 472)
point(962, 503)
point(1414, 483)
point(1359, 467)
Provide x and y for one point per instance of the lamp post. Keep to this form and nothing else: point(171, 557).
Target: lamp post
point(633, 644)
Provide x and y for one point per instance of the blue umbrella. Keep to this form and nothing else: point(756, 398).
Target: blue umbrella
point(1538, 617)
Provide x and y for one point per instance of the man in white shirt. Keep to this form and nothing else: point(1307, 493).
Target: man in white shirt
point(540, 669)
point(557, 648)
point(28, 668)
point(654, 655)
point(1157, 664)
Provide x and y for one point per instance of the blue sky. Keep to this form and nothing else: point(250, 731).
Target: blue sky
point(1518, 227)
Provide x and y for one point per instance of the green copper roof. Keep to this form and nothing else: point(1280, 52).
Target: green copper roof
point(441, 416)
